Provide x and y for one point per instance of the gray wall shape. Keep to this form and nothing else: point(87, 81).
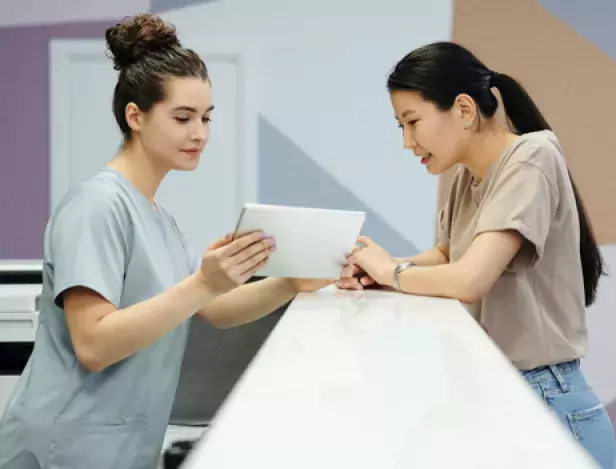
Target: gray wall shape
point(159, 6)
point(593, 20)
point(288, 176)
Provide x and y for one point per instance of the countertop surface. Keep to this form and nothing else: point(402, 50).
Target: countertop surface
point(382, 380)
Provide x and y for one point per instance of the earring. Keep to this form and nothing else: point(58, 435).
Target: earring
point(467, 125)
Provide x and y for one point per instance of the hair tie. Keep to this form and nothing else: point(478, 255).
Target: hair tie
point(493, 77)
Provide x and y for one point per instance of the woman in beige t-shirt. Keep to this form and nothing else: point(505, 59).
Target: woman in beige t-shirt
point(515, 244)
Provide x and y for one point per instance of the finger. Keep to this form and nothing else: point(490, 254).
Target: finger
point(254, 260)
point(264, 246)
point(366, 280)
point(347, 271)
point(220, 242)
point(242, 243)
point(349, 284)
point(365, 240)
point(253, 270)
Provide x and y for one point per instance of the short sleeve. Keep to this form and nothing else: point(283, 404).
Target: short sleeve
point(444, 225)
point(89, 244)
point(446, 214)
point(521, 199)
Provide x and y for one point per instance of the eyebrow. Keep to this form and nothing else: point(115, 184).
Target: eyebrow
point(192, 109)
point(407, 112)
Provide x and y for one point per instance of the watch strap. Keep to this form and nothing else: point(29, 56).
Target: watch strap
point(398, 270)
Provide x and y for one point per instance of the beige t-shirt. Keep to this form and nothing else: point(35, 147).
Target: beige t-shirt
point(535, 311)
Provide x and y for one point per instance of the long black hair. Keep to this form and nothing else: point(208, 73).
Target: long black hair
point(441, 71)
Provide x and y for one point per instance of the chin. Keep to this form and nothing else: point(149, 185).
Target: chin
point(436, 169)
point(186, 165)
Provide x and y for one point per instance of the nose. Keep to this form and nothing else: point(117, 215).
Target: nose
point(200, 133)
point(409, 140)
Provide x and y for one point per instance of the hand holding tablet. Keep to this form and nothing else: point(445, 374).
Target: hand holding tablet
point(311, 243)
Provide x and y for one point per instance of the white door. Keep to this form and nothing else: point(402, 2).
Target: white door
point(84, 134)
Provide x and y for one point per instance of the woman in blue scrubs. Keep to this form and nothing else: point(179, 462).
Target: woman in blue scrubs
point(121, 282)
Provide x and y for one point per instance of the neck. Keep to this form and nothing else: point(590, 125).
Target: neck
point(485, 149)
point(133, 162)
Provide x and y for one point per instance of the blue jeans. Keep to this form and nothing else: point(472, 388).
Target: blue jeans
point(564, 390)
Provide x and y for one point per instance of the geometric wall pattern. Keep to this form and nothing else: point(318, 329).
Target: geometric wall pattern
point(159, 6)
point(288, 176)
point(592, 20)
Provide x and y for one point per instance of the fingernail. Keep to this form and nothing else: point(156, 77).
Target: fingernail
point(272, 249)
point(351, 260)
point(271, 241)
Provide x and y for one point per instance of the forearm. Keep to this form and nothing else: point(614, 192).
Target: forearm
point(445, 280)
point(435, 256)
point(248, 302)
point(124, 332)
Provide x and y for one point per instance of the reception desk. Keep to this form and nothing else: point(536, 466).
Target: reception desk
point(382, 380)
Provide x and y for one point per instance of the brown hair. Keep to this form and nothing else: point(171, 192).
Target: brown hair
point(146, 51)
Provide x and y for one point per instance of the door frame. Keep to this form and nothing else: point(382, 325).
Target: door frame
point(62, 52)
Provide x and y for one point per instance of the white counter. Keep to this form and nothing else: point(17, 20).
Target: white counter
point(381, 380)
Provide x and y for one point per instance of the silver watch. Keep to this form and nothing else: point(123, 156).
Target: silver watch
point(398, 270)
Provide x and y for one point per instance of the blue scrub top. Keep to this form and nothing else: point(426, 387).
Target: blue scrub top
point(106, 236)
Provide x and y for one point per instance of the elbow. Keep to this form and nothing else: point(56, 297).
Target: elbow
point(214, 320)
point(90, 359)
point(468, 297)
point(469, 289)
point(221, 325)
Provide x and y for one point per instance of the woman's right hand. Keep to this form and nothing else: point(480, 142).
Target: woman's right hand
point(354, 277)
point(229, 263)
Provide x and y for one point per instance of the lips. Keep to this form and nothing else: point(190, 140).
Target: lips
point(426, 157)
point(193, 152)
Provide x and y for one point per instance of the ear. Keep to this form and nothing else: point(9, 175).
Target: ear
point(465, 109)
point(134, 117)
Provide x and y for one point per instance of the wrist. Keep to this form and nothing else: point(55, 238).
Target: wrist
point(200, 283)
point(291, 287)
point(397, 273)
point(387, 276)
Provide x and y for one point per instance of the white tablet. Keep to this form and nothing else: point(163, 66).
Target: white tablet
point(310, 242)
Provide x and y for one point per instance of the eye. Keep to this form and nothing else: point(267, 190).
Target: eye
point(413, 122)
point(182, 120)
point(400, 126)
point(206, 120)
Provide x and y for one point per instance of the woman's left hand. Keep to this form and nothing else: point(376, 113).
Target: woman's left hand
point(374, 260)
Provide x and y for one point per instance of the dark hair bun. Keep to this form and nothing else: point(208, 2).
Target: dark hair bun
point(135, 37)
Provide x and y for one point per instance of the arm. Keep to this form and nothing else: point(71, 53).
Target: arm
point(103, 335)
point(470, 278)
point(435, 256)
point(248, 302)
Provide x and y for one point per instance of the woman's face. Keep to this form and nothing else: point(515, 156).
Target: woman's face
point(176, 130)
point(439, 138)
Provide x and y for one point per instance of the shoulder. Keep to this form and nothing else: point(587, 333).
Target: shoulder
point(97, 199)
point(538, 151)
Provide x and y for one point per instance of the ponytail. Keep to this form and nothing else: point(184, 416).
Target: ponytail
point(524, 116)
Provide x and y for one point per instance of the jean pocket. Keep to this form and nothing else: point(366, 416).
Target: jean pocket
point(589, 424)
point(97, 445)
